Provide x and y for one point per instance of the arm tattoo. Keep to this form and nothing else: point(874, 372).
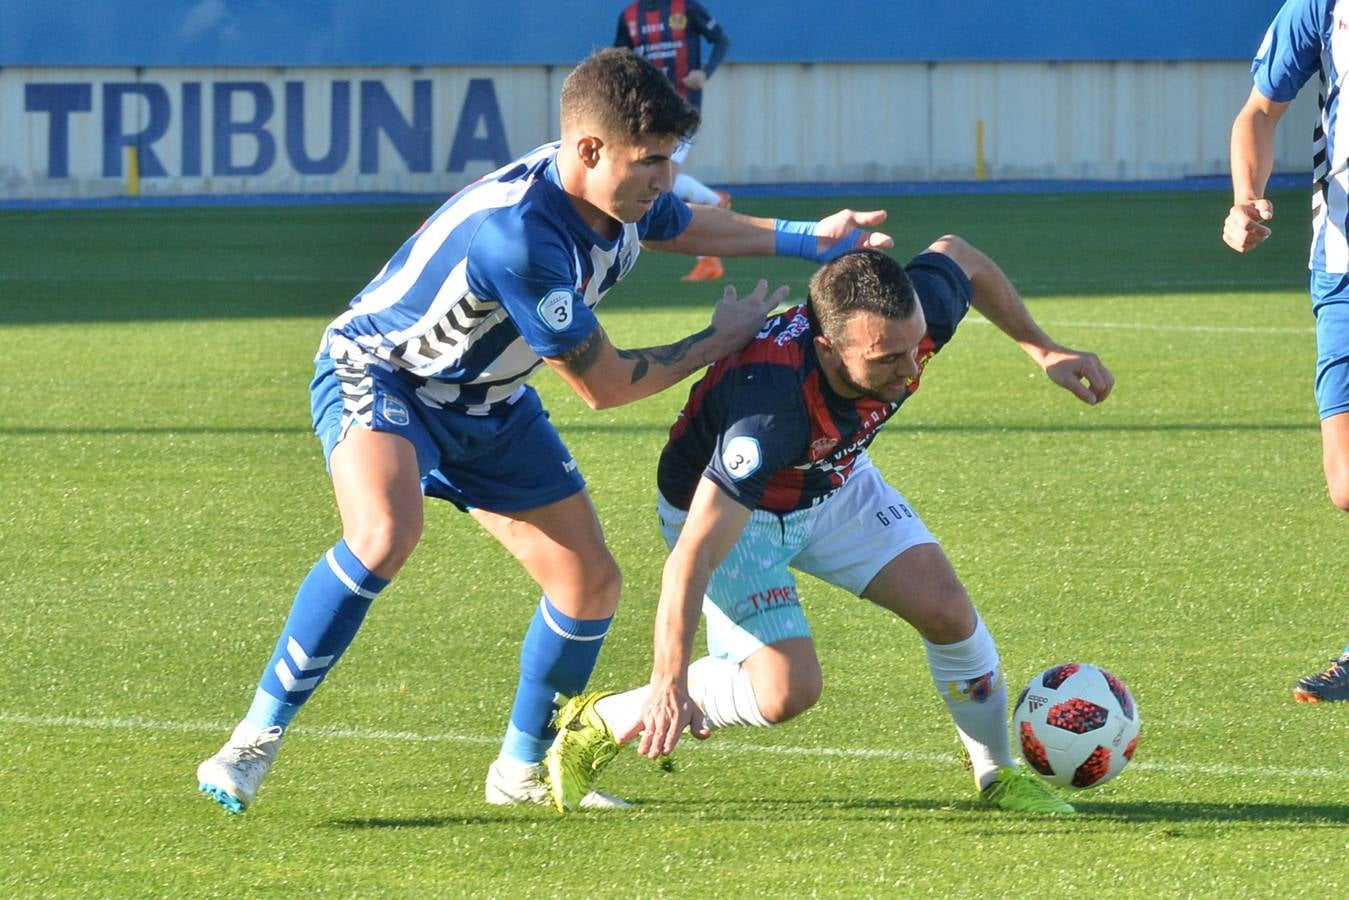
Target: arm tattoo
point(668, 355)
point(581, 357)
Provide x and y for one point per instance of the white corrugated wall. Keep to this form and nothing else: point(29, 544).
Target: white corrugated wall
point(917, 122)
point(763, 124)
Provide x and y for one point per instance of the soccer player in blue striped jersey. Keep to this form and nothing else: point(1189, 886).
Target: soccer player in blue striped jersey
point(767, 470)
point(420, 389)
point(1306, 38)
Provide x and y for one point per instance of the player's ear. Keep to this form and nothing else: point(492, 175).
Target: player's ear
point(588, 150)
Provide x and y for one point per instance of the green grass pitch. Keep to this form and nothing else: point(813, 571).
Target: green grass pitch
point(161, 496)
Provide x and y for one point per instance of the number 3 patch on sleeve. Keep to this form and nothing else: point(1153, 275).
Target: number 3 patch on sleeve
point(555, 309)
point(741, 457)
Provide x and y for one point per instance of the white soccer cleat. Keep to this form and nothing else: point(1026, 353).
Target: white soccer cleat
point(528, 786)
point(232, 777)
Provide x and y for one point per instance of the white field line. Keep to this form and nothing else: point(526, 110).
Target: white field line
point(133, 723)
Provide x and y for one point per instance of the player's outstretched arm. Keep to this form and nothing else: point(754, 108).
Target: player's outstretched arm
point(996, 298)
point(1252, 160)
point(606, 376)
point(715, 522)
point(720, 232)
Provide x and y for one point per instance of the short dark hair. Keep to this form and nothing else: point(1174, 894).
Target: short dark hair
point(622, 94)
point(856, 281)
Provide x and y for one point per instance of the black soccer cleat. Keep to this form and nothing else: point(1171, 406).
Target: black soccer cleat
point(1325, 687)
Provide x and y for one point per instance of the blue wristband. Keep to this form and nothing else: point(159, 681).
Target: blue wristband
point(794, 238)
point(800, 239)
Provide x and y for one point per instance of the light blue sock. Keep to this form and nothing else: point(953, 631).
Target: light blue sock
point(557, 657)
point(328, 610)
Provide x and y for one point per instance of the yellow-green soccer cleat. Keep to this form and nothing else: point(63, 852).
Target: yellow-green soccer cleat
point(584, 745)
point(1018, 790)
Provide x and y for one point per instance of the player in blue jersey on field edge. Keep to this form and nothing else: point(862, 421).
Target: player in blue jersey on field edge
point(767, 468)
point(420, 390)
point(1306, 38)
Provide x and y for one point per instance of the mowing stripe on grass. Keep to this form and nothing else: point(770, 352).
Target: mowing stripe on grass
point(130, 723)
point(1152, 326)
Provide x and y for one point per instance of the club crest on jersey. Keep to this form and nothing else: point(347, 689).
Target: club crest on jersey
point(821, 447)
point(926, 354)
point(678, 21)
point(741, 456)
point(795, 328)
point(393, 410)
point(555, 309)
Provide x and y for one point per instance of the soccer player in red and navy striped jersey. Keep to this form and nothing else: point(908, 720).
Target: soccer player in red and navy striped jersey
point(671, 33)
point(766, 470)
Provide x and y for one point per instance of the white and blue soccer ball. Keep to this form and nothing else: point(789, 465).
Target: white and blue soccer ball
point(1076, 725)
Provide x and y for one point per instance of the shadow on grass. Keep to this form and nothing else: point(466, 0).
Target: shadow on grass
point(1281, 814)
point(132, 265)
point(379, 822)
point(1174, 816)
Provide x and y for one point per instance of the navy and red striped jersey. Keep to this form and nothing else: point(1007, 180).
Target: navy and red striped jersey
point(670, 33)
point(764, 423)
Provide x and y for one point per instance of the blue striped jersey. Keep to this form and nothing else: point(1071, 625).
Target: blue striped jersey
point(504, 273)
point(1306, 38)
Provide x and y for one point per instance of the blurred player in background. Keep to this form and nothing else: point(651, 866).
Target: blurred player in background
point(420, 390)
point(766, 468)
point(1306, 38)
point(670, 33)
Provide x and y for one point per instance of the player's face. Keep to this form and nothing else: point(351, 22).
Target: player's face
point(630, 175)
point(875, 356)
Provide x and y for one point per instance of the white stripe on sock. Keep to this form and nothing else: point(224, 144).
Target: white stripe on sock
point(559, 630)
point(347, 579)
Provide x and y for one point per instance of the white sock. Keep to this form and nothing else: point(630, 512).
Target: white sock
point(969, 678)
point(724, 693)
point(721, 689)
point(516, 770)
point(621, 711)
point(691, 190)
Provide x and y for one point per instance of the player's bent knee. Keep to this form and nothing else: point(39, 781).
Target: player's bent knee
point(588, 591)
point(603, 579)
point(384, 544)
point(1337, 483)
point(786, 700)
point(948, 619)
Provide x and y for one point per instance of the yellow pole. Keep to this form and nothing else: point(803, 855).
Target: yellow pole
point(979, 150)
point(133, 173)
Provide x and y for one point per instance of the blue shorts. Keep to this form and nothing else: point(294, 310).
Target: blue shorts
point(1330, 304)
point(507, 460)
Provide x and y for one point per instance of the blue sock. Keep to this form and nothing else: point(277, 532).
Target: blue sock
point(328, 610)
point(557, 657)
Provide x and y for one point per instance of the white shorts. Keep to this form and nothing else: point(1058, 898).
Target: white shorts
point(752, 600)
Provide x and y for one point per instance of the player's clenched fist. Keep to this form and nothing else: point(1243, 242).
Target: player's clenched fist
point(1245, 229)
